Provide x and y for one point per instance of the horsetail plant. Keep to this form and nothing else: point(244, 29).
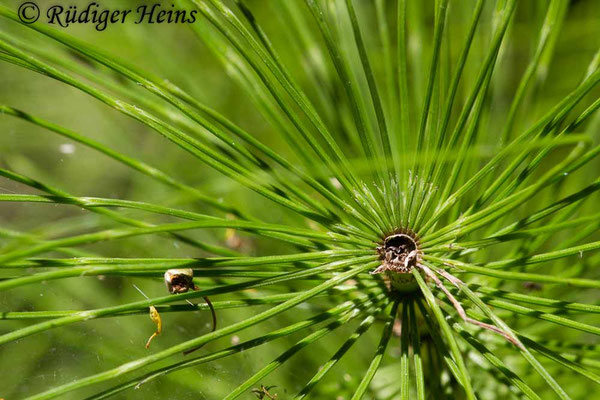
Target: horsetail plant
point(402, 205)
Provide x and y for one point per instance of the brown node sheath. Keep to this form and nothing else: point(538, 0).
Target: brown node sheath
point(399, 253)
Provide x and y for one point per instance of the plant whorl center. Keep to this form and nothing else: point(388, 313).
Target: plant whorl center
point(399, 254)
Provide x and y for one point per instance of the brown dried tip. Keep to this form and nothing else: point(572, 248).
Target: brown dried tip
point(399, 253)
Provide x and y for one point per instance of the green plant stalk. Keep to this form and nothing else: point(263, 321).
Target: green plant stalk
point(447, 334)
point(535, 300)
point(574, 161)
point(523, 350)
point(416, 357)
point(405, 335)
point(548, 31)
point(29, 330)
point(555, 319)
point(307, 340)
point(347, 345)
point(344, 174)
point(109, 213)
point(495, 361)
point(549, 353)
point(249, 344)
point(217, 305)
point(190, 344)
point(95, 270)
point(195, 147)
point(550, 119)
point(199, 262)
point(441, 352)
point(349, 85)
point(112, 234)
point(378, 357)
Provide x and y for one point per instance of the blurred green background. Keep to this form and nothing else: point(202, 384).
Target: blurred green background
point(175, 53)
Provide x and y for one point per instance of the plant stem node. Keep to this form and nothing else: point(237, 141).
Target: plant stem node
point(399, 254)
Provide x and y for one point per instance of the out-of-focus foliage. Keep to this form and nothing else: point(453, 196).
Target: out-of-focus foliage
point(489, 159)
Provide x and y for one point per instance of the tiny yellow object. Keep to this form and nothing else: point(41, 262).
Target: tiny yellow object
point(155, 317)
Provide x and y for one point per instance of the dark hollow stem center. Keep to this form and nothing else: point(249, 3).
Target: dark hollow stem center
point(399, 253)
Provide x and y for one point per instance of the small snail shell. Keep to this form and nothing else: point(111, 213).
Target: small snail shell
point(179, 280)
